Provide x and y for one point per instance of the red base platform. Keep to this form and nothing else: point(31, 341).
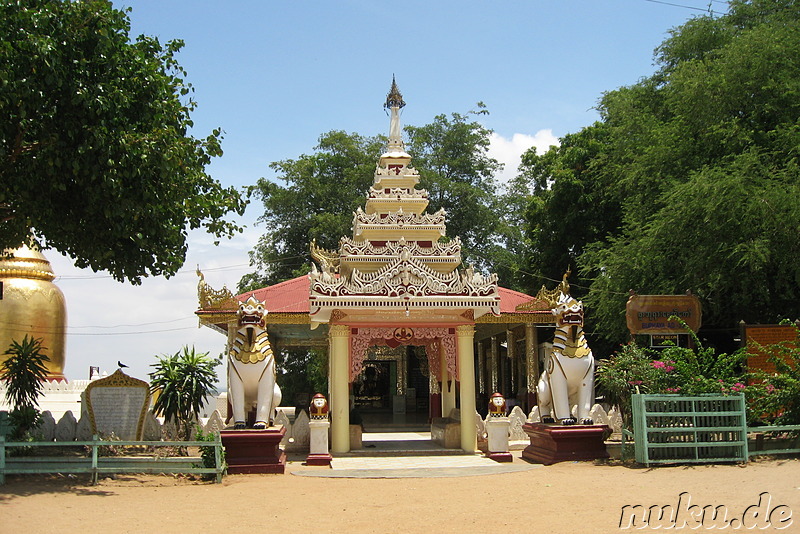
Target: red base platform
point(500, 456)
point(254, 451)
point(557, 443)
point(319, 459)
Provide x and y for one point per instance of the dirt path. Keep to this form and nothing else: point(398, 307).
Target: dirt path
point(563, 498)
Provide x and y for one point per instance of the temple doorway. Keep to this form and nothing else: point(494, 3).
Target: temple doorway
point(391, 394)
point(372, 389)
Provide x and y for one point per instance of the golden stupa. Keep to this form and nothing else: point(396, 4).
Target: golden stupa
point(30, 303)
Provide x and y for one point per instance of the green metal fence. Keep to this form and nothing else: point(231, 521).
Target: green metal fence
point(782, 430)
point(95, 464)
point(681, 429)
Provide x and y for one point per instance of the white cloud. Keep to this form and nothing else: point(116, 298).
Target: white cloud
point(509, 151)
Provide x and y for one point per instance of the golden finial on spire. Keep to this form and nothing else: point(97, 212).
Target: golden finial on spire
point(394, 98)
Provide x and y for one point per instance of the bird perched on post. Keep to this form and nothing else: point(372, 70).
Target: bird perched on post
point(121, 365)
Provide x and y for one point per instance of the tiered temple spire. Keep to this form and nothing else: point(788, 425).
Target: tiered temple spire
point(394, 103)
point(397, 259)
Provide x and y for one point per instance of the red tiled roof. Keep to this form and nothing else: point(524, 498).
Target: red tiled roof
point(510, 299)
point(291, 296)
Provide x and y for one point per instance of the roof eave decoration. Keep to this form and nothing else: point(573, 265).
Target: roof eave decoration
point(550, 296)
point(328, 260)
point(212, 299)
point(404, 283)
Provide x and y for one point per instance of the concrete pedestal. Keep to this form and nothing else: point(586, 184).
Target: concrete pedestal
point(557, 443)
point(254, 451)
point(497, 446)
point(318, 446)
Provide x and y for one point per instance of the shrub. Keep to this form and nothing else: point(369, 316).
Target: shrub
point(24, 371)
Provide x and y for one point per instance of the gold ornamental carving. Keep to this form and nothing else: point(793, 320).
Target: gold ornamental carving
point(213, 299)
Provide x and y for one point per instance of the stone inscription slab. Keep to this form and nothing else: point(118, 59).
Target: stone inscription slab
point(118, 405)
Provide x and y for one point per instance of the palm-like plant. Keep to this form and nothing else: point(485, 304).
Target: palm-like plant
point(182, 381)
point(24, 372)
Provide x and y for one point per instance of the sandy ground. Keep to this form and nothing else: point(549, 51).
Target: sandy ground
point(573, 497)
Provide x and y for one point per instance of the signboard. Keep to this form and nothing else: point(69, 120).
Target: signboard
point(759, 338)
point(117, 405)
point(649, 314)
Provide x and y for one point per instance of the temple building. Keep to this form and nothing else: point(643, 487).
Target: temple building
point(404, 323)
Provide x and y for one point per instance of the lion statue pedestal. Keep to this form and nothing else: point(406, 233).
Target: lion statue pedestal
point(251, 368)
point(568, 380)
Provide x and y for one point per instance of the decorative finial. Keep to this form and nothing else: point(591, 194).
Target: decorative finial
point(394, 98)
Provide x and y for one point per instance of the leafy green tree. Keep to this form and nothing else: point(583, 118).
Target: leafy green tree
point(693, 180)
point(182, 381)
point(451, 155)
point(562, 199)
point(301, 374)
point(96, 159)
point(24, 371)
point(321, 192)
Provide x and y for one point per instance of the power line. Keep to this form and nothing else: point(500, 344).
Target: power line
point(133, 325)
point(67, 329)
point(705, 10)
point(184, 271)
point(129, 333)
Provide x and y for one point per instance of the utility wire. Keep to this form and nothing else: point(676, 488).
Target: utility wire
point(183, 271)
point(705, 9)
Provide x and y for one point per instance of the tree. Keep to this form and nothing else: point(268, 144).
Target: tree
point(694, 181)
point(568, 208)
point(182, 382)
point(324, 189)
point(96, 159)
point(451, 156)
point(24, 371)
point(317, 203)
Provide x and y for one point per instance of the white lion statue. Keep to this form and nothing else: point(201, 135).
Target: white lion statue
point(568, 379)
point(251, 367)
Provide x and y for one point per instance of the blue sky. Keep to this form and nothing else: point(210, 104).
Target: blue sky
point(275, 75)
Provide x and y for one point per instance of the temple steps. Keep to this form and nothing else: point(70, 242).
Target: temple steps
point(408, 443)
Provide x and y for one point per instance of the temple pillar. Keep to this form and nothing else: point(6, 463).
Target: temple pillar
point(435, 398)
point(339, 373)
point(494, 350)
point(532, 362)
point(466, 370)
point(448, 393)
point(511, 352)
point(481, 368)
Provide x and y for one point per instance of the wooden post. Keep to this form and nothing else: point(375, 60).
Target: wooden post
point(532, 360)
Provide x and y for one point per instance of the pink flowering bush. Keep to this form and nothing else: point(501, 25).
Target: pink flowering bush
point(678, 370)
